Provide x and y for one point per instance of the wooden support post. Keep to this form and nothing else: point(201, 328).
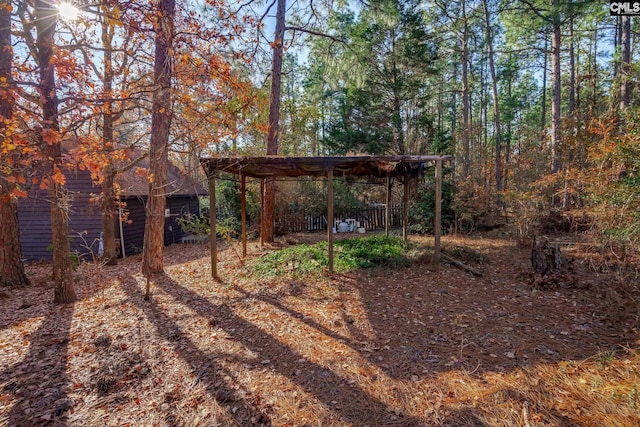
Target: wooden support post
point(261, 211)
point(438, 214)
point(330, 217)
point(243, 212)
point(405, 210)
point(212, 223)
point(387, 212)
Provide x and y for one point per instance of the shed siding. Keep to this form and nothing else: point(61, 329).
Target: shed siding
point(85, 220)
point(178, 206)
point(35, 226)
point(134, 230)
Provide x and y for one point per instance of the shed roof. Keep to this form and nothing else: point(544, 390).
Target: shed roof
point(276, 166)
point(134, 184)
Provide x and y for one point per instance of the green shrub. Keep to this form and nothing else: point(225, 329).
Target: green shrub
point(193, 224)
point(422, 210)
point(349, 254)
point(230, 227)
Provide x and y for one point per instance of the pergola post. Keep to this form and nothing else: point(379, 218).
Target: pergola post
point(330, 217)
point(387, 211)
point(405, 209)
point(243, 212)
point(261, 211)
point(212, 223)
point(438, 214)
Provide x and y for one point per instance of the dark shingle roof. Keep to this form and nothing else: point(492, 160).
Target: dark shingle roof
point(134, 182)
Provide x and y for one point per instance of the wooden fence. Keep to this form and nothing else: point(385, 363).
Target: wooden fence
point(371, 218)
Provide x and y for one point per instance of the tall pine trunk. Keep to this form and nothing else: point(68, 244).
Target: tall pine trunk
point(625, 62)
point(494, 94)
point(466, 126)
point(572, 69)
point(543, 102)
point(556, 93)
point(158, 148)
point(268, 217)
point(11, 266)
point(50, 139)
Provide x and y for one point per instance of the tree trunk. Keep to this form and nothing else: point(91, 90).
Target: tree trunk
point(507, 142)
point(158, 147)
point(556, 99)
point(572, 70)
point(572, 115)
point(396, 118)
point(11, 266)
point(454, 106)
point(466, 150)
point(625, 62)
point(494, 93)
point(546, 258)
point(543, 102)
point(109, 216)
point(593, 107)
point(267, 220)
point(50, 139)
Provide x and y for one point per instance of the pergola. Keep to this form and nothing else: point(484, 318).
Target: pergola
point(277, 167)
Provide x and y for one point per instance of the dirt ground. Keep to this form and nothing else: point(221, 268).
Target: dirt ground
point(380, 347)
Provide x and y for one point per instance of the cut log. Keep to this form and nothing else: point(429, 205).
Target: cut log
point(461, 265)
point(546, 258)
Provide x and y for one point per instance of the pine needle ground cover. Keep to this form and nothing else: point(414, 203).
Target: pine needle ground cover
point(401, 345)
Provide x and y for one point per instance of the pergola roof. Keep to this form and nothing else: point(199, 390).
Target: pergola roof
point(276, 166)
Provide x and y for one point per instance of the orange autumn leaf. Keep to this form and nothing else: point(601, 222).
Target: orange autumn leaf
point(59, 177)
point(50, 136)
point(19, 193)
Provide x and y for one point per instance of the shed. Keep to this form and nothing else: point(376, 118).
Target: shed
point(85, 222)
point(388, 167)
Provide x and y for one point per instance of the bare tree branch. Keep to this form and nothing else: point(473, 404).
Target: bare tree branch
point(315, 33)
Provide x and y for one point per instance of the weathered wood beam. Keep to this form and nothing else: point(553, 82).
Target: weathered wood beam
point(438, 214)
point(212, 222)
point(261, 211)
point(330, 218)
point(387, 212)
point(243, 212)
point(405, 210)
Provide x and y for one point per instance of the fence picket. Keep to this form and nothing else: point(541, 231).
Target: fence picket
point(370, 217)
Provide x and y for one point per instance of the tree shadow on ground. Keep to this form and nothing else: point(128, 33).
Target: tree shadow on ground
point(39, 384)
point(423, 322)
point(431, 324)
point(358, 407)
point(204, 364)
point(27, 307)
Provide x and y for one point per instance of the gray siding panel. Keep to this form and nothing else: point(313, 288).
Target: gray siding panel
point(179, 206)
point(85, 220)
point(35, 226)
point(133, 228)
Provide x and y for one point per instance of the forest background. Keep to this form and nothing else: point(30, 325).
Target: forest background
point(536, 101)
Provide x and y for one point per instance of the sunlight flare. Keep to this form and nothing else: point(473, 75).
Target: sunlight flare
point(68, 11)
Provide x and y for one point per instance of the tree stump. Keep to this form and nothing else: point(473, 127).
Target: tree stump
point(545, 256)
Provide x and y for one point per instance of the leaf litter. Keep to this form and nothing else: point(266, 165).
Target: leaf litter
point(403, 346)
